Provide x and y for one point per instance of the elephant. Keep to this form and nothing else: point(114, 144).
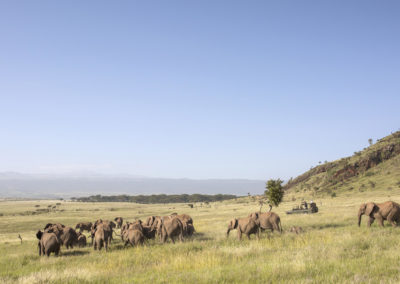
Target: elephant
point(119, 221)
point(187, 222)
point(100, 238)
point(148, 232)
point(245, 226)
point(189, 230)
point(134, 237)
point(84, 226)
point(152, 221)
point(267, 221)
point(67, 236)
point(58, 225)
point(184, 218)
point(170, 228)
point(110, 223)
point(388, 210)
point(297, 230)
point(108, 228)
point(48, 243)
point(81, 240)
point(137, 225)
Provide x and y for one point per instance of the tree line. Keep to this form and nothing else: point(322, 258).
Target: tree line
point(156, 198)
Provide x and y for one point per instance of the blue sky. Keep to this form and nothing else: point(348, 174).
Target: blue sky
point(205, 89)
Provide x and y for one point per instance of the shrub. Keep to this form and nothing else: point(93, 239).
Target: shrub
point(274, 192)
point(333, 195)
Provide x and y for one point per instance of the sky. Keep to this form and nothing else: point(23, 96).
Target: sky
point(195, 89)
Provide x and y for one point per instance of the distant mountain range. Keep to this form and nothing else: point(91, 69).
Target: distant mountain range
point(19, 185)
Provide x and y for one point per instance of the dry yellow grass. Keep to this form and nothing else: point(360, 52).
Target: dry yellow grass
point(333, 248)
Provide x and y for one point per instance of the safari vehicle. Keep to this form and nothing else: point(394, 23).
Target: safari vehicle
point(304, 208)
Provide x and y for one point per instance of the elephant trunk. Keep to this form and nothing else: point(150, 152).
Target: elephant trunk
point(359, 218)
point(227, 232)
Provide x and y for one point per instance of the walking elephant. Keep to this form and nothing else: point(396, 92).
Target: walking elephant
point(48, 243)
point(267, 221)
point(170, 228)
point(84, 226)
point(388, 210)
point(66, 236)
point(245, 226)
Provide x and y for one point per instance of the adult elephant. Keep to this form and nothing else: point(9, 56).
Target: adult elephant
point(388, 210)
point(134, 237)
point(245, 226)
point(66, 236)
point(170, 228)
point(187, 222)
point(84, 226)
point(48, 243)
point(100, 237)
point(267, 221)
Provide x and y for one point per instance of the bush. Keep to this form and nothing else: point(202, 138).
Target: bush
point(274, 192)
point(333, 195)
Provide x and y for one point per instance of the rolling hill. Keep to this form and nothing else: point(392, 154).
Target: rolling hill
point(375, 167)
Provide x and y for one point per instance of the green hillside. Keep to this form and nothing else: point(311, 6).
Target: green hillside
point(374, 168)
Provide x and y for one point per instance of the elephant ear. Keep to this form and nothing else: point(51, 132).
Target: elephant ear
point(235, 223)
point(369, 208)
point(39, 234)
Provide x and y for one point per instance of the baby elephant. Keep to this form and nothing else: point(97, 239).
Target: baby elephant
point(245, 226)
point(297, 230)
point(48, 243)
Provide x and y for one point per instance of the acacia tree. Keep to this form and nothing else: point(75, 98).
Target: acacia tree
point(274, 192)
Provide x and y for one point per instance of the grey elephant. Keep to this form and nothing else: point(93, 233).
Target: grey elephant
point(267, 221)
point(100, 238)
point(245, 226)
point(388, 210)
point(48, 243)
point(84, 226)
point(170, 228)
point(134, 237)
point(67, 236)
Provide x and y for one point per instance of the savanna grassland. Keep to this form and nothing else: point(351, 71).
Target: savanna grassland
point(333, 249)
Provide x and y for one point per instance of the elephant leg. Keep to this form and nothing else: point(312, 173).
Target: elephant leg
point(391, 218)
point(258, 234)
point(106, 246)
point(370, 221)
point(380, 221)
point(248, 236)
point(239, 235)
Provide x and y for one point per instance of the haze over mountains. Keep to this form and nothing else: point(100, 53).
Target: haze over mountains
point(19, 185)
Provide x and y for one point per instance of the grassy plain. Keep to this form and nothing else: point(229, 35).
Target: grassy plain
point(333, 248)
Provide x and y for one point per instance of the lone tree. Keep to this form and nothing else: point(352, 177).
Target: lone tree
point(274, 192)
point(370, 141)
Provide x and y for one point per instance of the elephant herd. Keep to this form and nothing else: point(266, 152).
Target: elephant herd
point(176, 226)
point(101, 232)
